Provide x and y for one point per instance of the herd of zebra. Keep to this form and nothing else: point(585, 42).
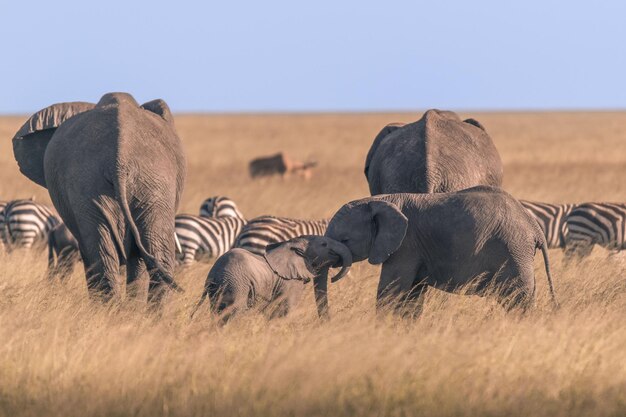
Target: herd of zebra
point(220, 226)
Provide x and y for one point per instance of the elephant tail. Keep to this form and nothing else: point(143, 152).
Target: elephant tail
point(151, 261)
point(543, 246)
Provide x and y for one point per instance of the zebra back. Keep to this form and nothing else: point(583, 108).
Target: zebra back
point(597, 223)
point(264, 230)
point(206, 236)
point(220, 206)
point(551, 219)
point(27, 223)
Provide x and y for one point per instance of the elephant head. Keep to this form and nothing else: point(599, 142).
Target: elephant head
point(371, 228)
point(306, 257)
point(31, 140)
point(309, 257)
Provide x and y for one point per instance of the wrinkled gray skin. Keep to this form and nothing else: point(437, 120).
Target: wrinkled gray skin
point(481, 236)
point(115, 173)
point(438, 153)
point(240, 279)
point(62, 252)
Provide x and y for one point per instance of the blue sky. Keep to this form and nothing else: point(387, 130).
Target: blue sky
point(231, 56)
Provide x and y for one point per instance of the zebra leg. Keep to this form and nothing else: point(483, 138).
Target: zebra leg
point(576, 250)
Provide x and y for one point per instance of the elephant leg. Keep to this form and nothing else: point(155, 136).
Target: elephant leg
point(516, 285)
point(101, 260)
point(66, 258)
point(136, 278)
point(396, 279)
point(414, 300)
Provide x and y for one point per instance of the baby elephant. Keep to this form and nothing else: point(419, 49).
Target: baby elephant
point(240, 279)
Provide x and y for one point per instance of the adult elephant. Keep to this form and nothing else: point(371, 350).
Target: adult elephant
point(480, 236)
point(439, 153)
point(115, 172)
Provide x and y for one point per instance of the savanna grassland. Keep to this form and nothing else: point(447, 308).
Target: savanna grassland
point(64, 355)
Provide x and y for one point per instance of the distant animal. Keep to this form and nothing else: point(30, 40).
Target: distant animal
point(481, 237)
point(63, 251)
point(438, 153)
point(590, 224)
point(280, 164)
point(220, 206)
point(27, 224)
point(115, 172)
point(551, 219)
point(265, 230)
point(206, 237)
point(240, 280)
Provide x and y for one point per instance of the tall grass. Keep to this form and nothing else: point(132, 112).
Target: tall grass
point(62, 354)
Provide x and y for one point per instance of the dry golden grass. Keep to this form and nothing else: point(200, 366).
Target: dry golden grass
point(61, 354)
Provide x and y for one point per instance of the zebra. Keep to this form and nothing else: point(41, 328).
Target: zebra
point(212, 233)
point(261, 231)
point(551, 219)
point(27, 223)
point(591, 224)
point(220, 206)
point(206, 237)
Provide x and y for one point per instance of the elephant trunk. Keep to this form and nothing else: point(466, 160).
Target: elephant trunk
point(345, 258)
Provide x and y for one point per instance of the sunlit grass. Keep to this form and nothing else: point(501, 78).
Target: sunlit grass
point(62, 354)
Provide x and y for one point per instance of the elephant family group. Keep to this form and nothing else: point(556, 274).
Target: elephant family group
point(437, 216)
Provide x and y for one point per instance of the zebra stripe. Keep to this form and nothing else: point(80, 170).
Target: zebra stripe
point(262, 231)
point(206, 236)
point(3, 239)
point(27, 223)
point(551, 219)
point(220, 206)
point(591, 224)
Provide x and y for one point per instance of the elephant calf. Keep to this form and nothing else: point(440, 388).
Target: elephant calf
point(240, 279)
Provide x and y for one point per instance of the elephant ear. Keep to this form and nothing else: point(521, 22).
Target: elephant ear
point(30, 142)
point(159, 107)
point(390, 228)
point(391, 127)
point(476, 123)
point(287, 259)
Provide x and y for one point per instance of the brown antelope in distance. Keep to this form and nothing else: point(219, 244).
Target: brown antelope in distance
point(280, 164)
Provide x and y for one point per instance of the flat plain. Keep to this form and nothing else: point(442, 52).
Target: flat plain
point(62, 354)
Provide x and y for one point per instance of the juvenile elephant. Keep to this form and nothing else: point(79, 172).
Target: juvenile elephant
point(115, 172)
point(439, 153)
point(480, 236)
point(240, 279)
point(62, 251)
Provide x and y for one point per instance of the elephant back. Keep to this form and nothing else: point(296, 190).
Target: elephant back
point(31, 140)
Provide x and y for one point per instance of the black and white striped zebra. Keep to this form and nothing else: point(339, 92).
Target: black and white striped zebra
point(591, 224)
point(261, 231)
point(206, 237)
point(212, 233)
point(220, 206)
point(551, 219)
point(27, 223)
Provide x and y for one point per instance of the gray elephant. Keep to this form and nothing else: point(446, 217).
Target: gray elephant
point(115, 172)
point(62, 251)
point(240, 279)
point(480, 236)
point(439, 153)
